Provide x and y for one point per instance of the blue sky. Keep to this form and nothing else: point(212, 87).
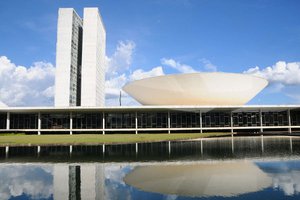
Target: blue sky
point(205, 35)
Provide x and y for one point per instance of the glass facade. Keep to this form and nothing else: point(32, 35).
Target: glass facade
point(23, 121)
point(275, 118)
point(295, 117)
point(87, 120)
point(152, 119)
point(246, 119)
point(216, 119)
point(185, 119)
point(3, 120)
point(120, 120)
point(55, 121)
point(149, 119)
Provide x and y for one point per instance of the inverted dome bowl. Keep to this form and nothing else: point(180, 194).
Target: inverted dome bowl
point(196, 89)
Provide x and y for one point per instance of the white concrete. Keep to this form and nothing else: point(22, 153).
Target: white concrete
point(196, 89)
point(61, 181)
point(67, 57)
point(93, 59)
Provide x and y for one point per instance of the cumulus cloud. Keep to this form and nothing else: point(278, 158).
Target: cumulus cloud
point(183, 68)
point(208, 66)
point(25, 86)
point(282, 72)
point(140, 73)
point(118, 74)
point(121, 59)
point(34, 181)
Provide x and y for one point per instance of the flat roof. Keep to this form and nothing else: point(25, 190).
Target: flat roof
point(187, 108)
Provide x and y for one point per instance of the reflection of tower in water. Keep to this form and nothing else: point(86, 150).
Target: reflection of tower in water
point(74, 182)
point(85, 181)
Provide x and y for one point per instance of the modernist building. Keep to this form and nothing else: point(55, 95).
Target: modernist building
point(199, 102)
point(80, 59)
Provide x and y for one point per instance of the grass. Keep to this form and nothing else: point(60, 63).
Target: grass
point(89, 139)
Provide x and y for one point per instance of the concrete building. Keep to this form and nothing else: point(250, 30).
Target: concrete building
point(218, 88)
point(93, 59)
point(80, 59)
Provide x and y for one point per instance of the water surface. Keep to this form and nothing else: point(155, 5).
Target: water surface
point(230, 168)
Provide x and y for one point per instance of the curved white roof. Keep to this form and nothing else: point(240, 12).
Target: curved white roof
point(196, 89)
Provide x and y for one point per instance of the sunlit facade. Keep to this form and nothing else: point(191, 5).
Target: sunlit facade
point(151, 119)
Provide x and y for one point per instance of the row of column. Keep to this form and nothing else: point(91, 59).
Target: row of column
point(136, 122)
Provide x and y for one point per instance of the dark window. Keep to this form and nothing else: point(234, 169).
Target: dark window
point(23, 121)
point(3, 120)
point(87, 120)
point(55, 121)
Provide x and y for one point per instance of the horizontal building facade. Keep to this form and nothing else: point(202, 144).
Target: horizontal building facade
point(150, 119)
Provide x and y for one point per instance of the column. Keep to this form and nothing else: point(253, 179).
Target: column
point(39, 123)
point(169, 122)
point(261, 121)
point(231, 122)
point(289, 121)
point(71, 123)
point(136, 123)
point(8, 121)
point(200, 121)
point(103, 123)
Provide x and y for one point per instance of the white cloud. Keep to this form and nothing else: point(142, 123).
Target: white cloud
point(183, 68)
point(25, 86)
point(281, 72)
point(34, 181)
point(208, 66)
point(118, 74)
point(140, 73)
point(121, 59)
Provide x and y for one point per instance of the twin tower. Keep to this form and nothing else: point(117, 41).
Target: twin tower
point(80, 59)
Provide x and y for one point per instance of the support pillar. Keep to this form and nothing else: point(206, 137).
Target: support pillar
point(261, 121)
point(103, 123)
point(289, 121)
point(136, 123)
point(231, 122)
point(200, 122)
point(71, 123)
point(39, 123)
point(169, 122)
point(8, 121)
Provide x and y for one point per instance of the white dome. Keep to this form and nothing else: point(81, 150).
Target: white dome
point(196, 89)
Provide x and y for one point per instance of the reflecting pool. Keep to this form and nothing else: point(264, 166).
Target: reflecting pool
point(220, 168)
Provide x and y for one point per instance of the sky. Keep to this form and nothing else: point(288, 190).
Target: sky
point(156, 37)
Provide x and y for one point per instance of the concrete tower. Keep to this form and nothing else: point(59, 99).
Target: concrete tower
point(93, 59)
point(80, 59)
point(68, 58)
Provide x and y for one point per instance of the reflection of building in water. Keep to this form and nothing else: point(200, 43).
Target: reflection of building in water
point(226, 179)
point(74, 182)
point(84, 181)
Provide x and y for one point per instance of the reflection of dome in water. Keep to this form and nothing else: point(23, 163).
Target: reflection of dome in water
point(201, 180)
point(196, 89)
